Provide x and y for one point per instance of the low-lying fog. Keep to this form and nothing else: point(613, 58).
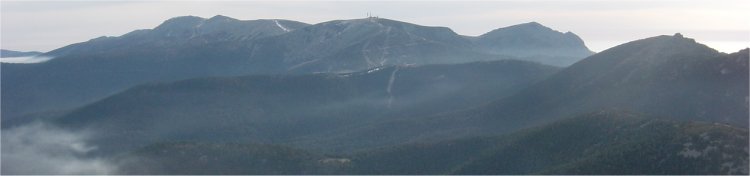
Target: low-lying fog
point(25, 59)
point(39, 148)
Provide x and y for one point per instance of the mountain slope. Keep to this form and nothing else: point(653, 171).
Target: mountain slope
point(304, 110)
point(607, 142)
point(669, 76)
point(665, 76)
point(222, 158)
point(359, 44)
point(179, 32)
point(180, 48)
point(533, 41)
point(191, 47)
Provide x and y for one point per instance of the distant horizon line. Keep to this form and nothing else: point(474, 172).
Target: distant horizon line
point(612, 43)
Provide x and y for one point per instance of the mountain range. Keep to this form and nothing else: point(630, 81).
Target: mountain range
point(670, 76)
point(379, 96)
point(189, 47)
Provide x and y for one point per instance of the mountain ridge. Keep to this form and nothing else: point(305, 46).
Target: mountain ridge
point(188, 47)
point(606, 142)
point(308, 109)
point(189, 27)
point(534, 39)
point(652, 66)
point(685, 86)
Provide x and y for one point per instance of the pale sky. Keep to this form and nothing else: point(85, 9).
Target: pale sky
point(720, 24)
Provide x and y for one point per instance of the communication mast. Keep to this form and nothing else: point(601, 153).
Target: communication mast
point(369, 15)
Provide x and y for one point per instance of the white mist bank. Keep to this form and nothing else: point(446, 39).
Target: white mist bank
point(25, 59)
point(38, 148)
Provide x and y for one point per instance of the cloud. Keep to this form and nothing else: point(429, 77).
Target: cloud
point(25, 60)
point(39, 148)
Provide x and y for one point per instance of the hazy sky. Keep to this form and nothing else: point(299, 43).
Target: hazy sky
point(724, 25)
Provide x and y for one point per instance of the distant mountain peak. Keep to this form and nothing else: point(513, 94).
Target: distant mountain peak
point(221, 27)
point(365, 21)
point(221, 18)
point(379, 22)
point(182, 20)
point(180, 23)
point(185, 18)
point(533, 24)
point(648, 58)
point(373, 25)
point(677, 43)
point(533, 39)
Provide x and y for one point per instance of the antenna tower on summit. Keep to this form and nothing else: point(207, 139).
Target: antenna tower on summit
point(369, 15)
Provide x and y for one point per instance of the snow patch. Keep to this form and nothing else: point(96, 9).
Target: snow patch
point(281, 26)
point(390, 81)
point(390, 86)
point(374, 69)
point(365, 52)
point(200, 24)
point(302, 64)
point(383, 59)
